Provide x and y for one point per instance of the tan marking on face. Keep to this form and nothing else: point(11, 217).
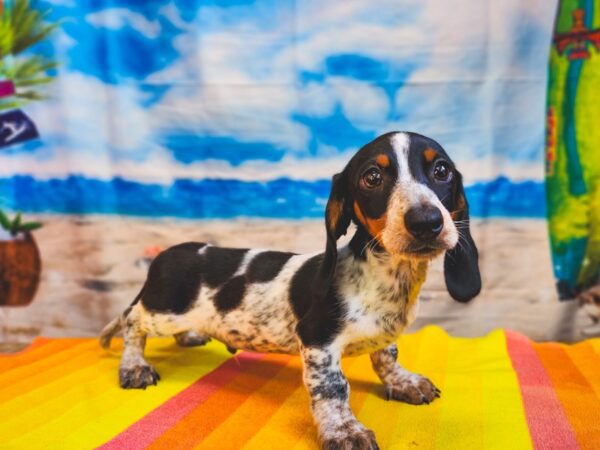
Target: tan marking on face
point(359, 214)
point(383, 160)
point(430, 154)
point(375, 227)
point(461, 205)
point(334, 212)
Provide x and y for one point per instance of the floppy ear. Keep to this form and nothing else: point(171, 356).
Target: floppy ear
point(461, 266)
point(337, 220)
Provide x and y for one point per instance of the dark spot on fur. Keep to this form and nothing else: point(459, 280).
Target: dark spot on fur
point(266, 265)
point(220, 264)
point(230, 295)
point(173, 279)
point(393, 350)
point(333, 387)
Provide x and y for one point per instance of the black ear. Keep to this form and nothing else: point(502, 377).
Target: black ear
point(337, 221)
point(461, 265)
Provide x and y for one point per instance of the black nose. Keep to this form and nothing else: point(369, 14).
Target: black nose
point(424, 222)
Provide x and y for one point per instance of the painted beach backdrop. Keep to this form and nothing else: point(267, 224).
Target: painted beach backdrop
point(223, 121)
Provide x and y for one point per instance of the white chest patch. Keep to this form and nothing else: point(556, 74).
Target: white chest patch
point(381, 300)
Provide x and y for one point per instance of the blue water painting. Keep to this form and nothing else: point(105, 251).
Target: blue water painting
point(216, 198)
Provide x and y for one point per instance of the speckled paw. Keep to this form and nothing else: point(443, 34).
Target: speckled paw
point(358, 440)
point(415, 389)
point(138, 377)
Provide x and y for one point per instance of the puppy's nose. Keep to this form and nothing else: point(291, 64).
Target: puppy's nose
point(424, 222)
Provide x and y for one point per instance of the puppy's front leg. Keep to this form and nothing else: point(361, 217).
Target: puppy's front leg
point(329, 390)
point(400, 384)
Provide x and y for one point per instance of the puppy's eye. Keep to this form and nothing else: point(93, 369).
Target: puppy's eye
point(442, 171)
point(372, 178)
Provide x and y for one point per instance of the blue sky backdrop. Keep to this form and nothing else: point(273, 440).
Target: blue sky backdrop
point(266, 92)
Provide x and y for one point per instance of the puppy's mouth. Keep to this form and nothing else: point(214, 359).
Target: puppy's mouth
point(423, 249)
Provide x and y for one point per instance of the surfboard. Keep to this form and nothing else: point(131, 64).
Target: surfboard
point(573, 146)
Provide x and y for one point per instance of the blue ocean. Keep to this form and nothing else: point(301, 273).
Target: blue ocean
point(217, 198)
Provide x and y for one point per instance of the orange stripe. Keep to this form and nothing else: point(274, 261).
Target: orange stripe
point(19, 380)
point(549, 427)
point(250, 417)
point(588, 363)
point(574, 392)
point(209, 415)
point(34, 345)
point(40, 349)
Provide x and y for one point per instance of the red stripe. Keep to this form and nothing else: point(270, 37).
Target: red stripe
point(154, 424)
point(548, 425)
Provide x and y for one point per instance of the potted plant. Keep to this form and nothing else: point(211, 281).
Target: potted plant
point(20, 264)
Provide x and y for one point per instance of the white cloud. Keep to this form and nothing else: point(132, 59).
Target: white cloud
point(116, 18)
point(160, 167)
point(91, 116)
point(239, 78)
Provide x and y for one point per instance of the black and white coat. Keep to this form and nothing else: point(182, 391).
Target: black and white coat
point(407, 201)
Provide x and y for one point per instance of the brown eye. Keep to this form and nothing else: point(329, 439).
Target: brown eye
point(372, 178)
point(441, 171)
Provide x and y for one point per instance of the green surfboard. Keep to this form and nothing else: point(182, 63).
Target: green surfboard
point(573, 146)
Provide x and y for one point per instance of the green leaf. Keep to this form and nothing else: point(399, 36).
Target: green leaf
point(6, 105)
point(31, 226)
point(14, 229)
point(21, 27)
point(4, 221)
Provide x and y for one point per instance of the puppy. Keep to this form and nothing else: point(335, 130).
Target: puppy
point(407, 201)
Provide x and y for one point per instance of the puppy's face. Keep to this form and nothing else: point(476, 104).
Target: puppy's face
point(405, 191)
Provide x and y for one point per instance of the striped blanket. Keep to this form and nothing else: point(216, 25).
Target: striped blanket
point(500, 391)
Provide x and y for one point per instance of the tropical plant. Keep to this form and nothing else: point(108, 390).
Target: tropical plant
point(21, 27)
point(17, 225)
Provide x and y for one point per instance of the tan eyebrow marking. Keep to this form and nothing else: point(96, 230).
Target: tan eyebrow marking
point(383, 160)
point(430, 154)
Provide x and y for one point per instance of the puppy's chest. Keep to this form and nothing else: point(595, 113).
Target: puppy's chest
point(380, 303)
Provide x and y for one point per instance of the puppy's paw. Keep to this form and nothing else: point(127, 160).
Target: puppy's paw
point(412, 388)
point(354, 440)
point(138, 377)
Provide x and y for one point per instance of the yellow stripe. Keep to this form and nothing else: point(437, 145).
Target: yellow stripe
point(461, 410)
point(504, 422)
point(290, 423)
point(87, 408)
point(417, 426)
point(595, 343)
point(359, 373)
point(291, 426)
point(381, 415)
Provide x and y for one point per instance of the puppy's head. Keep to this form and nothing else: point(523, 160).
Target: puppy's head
point(405, 193)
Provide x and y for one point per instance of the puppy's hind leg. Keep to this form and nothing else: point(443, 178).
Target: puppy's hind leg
point(134, 371)
point(191, 339)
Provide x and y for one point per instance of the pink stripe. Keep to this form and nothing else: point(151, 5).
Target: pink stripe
point(146, 430)
point(548, 425)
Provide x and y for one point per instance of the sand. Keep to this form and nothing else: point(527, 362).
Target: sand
point(92, 270)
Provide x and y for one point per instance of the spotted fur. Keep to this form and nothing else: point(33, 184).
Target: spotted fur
point(406, 199)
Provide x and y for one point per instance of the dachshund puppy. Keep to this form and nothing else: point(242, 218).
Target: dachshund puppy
point(407, 201)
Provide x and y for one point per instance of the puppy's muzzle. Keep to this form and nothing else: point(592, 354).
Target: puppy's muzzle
point(424, 223)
